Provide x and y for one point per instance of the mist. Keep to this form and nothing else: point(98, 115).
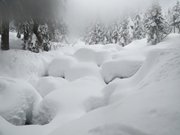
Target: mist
point(79, 12)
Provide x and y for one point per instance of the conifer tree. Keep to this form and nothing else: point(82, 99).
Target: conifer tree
point(156, 26)
point(175, 19)
point(139, 31)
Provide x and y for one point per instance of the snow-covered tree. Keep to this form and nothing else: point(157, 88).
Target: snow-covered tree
point(156, 26)
point(175, 17)
point(125, 33)
point(139, 31)
point(115, 32)
point(95, 34)
point(60, 32)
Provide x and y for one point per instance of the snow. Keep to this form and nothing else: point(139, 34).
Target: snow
point(67, 102)
point(18, 100)
point(120, 69)
point(76, 100)
point(46, 85)
point(147, 103)
point(59, 66)
point(98, 56)
point(80, 70)
point(21, 64)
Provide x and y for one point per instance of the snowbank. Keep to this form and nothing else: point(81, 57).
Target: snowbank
point(98, 56)
point(67, 103)
point(81, 70)
point(124, 68)
point(85, 55)
point(46, 85)
point(59, 66)
point(18, 100)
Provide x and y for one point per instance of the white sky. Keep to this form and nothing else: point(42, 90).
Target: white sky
point(111, 6)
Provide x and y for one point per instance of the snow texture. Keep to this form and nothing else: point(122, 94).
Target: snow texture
point(18, 100)
point(119, 69)
point(146, 103)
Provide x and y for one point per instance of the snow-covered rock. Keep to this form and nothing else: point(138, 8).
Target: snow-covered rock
point(80, 70)
point(85, 55)
point(122, 68)
point(45, 85)
point(17, 100)
point(45, 111)
point(96, 102)
point(22, 64)
point(98, 56)
point(102, 56)
point(59, 66)
point(67, 103)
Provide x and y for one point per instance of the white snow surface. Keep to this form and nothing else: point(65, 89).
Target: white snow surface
point(17, 100)
point(145, 103)
point(67, 102)
point(124, 68)
point(46, 85)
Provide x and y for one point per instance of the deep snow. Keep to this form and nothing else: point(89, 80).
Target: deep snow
point(74, 99)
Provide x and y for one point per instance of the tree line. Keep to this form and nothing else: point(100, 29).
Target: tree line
point(38, 21)
point(153, 24)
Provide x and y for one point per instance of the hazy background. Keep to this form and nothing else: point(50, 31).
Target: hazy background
point(79, 12)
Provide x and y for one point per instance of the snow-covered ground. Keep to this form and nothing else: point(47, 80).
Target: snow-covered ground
point(79, 90)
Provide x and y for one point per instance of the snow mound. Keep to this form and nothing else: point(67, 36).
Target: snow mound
point(85, 55)
point(80, 70)
point(102, 56)
point(45, 111)
point(96, 102)
point(67, 103)
point(59, 66)
point(98, 56)
point(46, 85)
point(119, 69)
point(22, 64)
point(112, 47)
point(18, 100)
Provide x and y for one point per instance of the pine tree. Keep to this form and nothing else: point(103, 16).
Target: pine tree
point(125, 36)
point(60, 32)
point(96, 34)
point(115, 34)
point(139, 32)
point(156, 26)
point(175, 19)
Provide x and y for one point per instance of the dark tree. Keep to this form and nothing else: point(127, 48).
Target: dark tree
point(29, 16)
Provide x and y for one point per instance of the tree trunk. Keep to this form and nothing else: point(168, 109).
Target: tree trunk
point(5, 35)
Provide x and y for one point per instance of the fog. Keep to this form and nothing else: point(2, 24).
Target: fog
point(78, 12)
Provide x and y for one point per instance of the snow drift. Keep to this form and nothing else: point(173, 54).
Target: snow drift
point(119, 69)
point(145, 104)
point(18, 100)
